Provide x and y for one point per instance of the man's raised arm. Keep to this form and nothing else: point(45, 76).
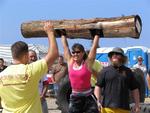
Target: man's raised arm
point(52, 54)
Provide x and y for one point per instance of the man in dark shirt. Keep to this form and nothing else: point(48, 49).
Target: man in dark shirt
point(116, 80)
point(2, 66)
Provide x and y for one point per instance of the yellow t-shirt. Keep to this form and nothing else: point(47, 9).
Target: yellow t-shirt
point(96, 67)
point(19, 87)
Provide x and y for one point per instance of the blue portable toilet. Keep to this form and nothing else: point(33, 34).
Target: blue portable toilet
point(133, 52)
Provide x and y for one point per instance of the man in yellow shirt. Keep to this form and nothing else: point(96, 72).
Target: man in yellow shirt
point(19, 82)
point(97, 67)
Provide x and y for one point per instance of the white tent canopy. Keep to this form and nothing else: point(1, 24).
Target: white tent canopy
point(5, 52)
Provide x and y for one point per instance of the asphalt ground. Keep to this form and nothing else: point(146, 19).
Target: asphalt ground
point(52, 106)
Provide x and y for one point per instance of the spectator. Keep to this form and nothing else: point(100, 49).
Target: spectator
point(59, 71)
point(97, 67)
point(116, 80)
point(43, 83)
point(2, 66)
point(19, 82)
point(141, 66)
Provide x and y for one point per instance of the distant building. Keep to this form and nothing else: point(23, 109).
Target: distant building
point(5, 51)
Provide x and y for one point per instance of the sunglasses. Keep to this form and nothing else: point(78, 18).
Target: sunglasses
point(73, 52)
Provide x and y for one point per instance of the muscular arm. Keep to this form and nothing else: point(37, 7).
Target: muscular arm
point(67, 54)
point(92, 53)
point(97, 92)
point(136, 97)
point(148, 79)
point(52, 54)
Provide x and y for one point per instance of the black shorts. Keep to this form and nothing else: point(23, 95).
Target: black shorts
point(83, 104)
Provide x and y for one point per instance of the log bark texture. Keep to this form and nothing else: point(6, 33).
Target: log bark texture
point(125, 26)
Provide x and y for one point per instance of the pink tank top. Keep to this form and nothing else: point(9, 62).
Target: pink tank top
point(80, 79)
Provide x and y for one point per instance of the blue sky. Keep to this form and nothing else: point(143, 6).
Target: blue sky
point(15, 12)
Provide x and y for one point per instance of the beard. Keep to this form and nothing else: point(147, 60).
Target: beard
point(116, 62)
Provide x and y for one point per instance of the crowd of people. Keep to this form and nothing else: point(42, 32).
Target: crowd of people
point(95, 88)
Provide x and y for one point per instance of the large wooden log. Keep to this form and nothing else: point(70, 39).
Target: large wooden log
point(125, 26)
